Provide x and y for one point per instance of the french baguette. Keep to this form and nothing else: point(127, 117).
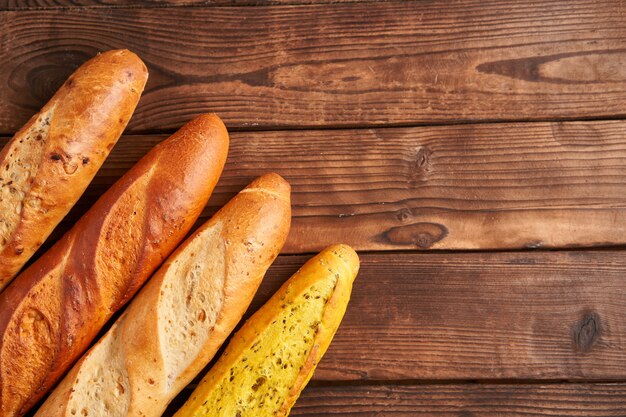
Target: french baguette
point(54, 309)
point(174, 326)
point(50, 162)
point(270, 360)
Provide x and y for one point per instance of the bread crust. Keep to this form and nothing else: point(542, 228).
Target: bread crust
point(240, 242)
point(338, 263)
point(49, 163)
point(54, 309)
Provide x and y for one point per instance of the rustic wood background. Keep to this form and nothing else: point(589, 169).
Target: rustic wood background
point(473, 151)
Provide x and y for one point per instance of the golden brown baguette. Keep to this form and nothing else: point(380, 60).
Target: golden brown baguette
point(270, 360)
point(174, 326)
point(54, 309)
point(48, 164)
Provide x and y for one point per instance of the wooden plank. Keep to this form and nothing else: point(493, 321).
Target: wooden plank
point(457, 187)
point(540, 316)
point(478, 316)
point(354, 64)
point(474, 316)
point(584, 400)
point(455, 400)
point(74, 4)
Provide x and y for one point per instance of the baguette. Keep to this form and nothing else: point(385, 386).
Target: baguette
point(174, 326)
point(270, 360)
point(50, 162)
point(54, 309)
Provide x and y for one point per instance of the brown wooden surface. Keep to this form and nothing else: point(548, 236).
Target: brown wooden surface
point(448, 187)
point(459, 400)
point(302, 83)
point(525, 316)
point(104, 4)
point(353, 64)
point(585, 400)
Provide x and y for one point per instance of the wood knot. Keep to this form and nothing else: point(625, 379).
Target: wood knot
point(586, 332)
point(405, 215)
point(420, 165)
point(423, 235)
point(45, 73)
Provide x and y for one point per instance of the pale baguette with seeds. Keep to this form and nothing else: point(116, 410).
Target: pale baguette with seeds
point(270, 360)
point(52, 311)
point(50, 161)
point(178, 321)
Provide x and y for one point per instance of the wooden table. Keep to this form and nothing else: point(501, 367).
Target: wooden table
point(473, 151)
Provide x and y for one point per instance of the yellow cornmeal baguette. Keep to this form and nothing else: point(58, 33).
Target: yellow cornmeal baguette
point(270, 360)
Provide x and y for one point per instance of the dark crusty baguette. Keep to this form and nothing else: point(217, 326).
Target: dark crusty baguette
point(48, 164)
point(172, 329)
point(53, 310)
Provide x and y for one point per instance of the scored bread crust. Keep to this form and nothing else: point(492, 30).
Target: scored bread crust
point(178, 321)
point(337, 262)
point(50, 161)
point(53, 310)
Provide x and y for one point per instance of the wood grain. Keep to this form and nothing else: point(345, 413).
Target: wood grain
point(584, 400)
point(477, 316)
point(70, 4)
point(499, 186)
point(456, 400)
point(473, 316)
point(354, 64)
